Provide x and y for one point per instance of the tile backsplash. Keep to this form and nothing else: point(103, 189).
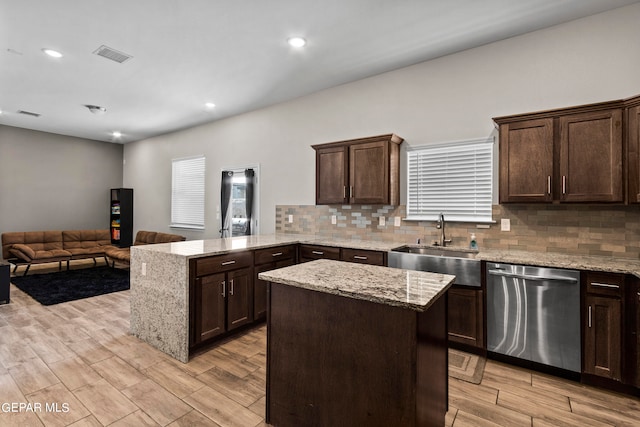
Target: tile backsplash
point(570, 229)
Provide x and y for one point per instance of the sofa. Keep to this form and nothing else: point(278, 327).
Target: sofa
point(39, 247)
point(123, 255)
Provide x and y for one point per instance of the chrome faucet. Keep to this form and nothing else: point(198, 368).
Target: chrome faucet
point(440, 226)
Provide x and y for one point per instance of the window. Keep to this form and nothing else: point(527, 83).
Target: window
point(187, 193)
point(454, 179)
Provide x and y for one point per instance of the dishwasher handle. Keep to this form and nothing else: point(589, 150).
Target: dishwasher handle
point(530, 277)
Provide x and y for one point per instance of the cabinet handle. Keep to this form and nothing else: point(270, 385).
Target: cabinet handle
point(317, 252)
point(224, 289)
point(605, 285)
point(276, 254)
point(360, 257)
point(351, 191)
point(549, 184)
point(231, 287)
point(344, 191)
point(564, 184)
point(589, 316)
point(229, 262)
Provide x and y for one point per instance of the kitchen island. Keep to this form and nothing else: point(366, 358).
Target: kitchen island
point(351, 344)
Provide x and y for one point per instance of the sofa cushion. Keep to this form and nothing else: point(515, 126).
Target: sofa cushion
point(27, 253)
point(151, 237)
point(118, 254)
point(22, 251)
point(85, 239)
point(35, 240)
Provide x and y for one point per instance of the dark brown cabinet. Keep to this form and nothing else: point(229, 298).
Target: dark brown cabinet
point(591, 157)
point(567, 155)
point(265, 260)
point(221, 295)
point(365, 170)
point(312, 252)
point(632, 119)
point(364, 256)
point(603, 325)
point(361, 256)
point(465, 316)
point(526, 161)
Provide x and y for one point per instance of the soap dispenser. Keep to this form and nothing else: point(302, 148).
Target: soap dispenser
point(473, 244)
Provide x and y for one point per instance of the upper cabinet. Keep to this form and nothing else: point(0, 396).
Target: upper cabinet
point(632, 120)
point(364, 170)
point(526, 161)
point(567, 155)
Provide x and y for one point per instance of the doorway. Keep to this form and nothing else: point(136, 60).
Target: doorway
point(239, 197)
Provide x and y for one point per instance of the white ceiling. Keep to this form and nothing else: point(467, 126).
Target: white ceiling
point(230, 52)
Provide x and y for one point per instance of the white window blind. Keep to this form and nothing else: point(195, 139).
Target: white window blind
point(454, 179)
point(187, 192)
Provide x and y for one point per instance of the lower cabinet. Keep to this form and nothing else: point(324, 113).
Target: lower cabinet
point(466, 315)
point(221, 295)
point(361, 256)
point(364, 256)
point(265, 260)
point(603, 325)
point(313, 252)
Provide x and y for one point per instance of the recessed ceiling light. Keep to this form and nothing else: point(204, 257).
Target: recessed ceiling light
point(52, 53)
point(296, 41)
point(210, 105)
point(116, 134)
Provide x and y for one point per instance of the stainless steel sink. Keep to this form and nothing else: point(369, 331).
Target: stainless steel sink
point(422, 250)
point(458, 262)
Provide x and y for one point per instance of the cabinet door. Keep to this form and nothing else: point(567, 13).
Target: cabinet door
point(603, 335)
point(465, 316)
point(239, 297)
point(331, 175)
point(260, 287)
point(526, 161)
point(591, 157)
point(369, 173)
point(210, 303)
point(633, 132)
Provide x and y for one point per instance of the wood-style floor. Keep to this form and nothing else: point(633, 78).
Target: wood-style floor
point(75, 364)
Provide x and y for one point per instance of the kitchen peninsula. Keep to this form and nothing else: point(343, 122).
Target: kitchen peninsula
point(352, 344)
point(163, 275)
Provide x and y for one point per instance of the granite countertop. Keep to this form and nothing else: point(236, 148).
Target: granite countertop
point(201, 248)
point(415, 290)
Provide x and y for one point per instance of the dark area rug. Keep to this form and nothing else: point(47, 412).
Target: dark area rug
point(70, 285)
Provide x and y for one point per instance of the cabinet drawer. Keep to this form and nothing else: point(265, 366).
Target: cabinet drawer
point(609, 284)
point(263, 256)
point(220, 263)
point(319, 252)
point(363, 256)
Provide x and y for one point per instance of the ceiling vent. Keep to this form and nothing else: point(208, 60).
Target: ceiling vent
point(112, 54)
point(28, 113)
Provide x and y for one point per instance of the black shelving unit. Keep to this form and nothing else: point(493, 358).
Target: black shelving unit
point(121, 217)
point(5, 277)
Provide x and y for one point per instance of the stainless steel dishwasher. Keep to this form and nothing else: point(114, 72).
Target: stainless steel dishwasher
point(533, 313)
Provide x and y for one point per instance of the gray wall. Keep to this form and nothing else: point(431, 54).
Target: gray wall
point(451, 98)
point(57, 182)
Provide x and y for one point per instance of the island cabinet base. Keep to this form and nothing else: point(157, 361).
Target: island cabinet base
point(334, 360)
